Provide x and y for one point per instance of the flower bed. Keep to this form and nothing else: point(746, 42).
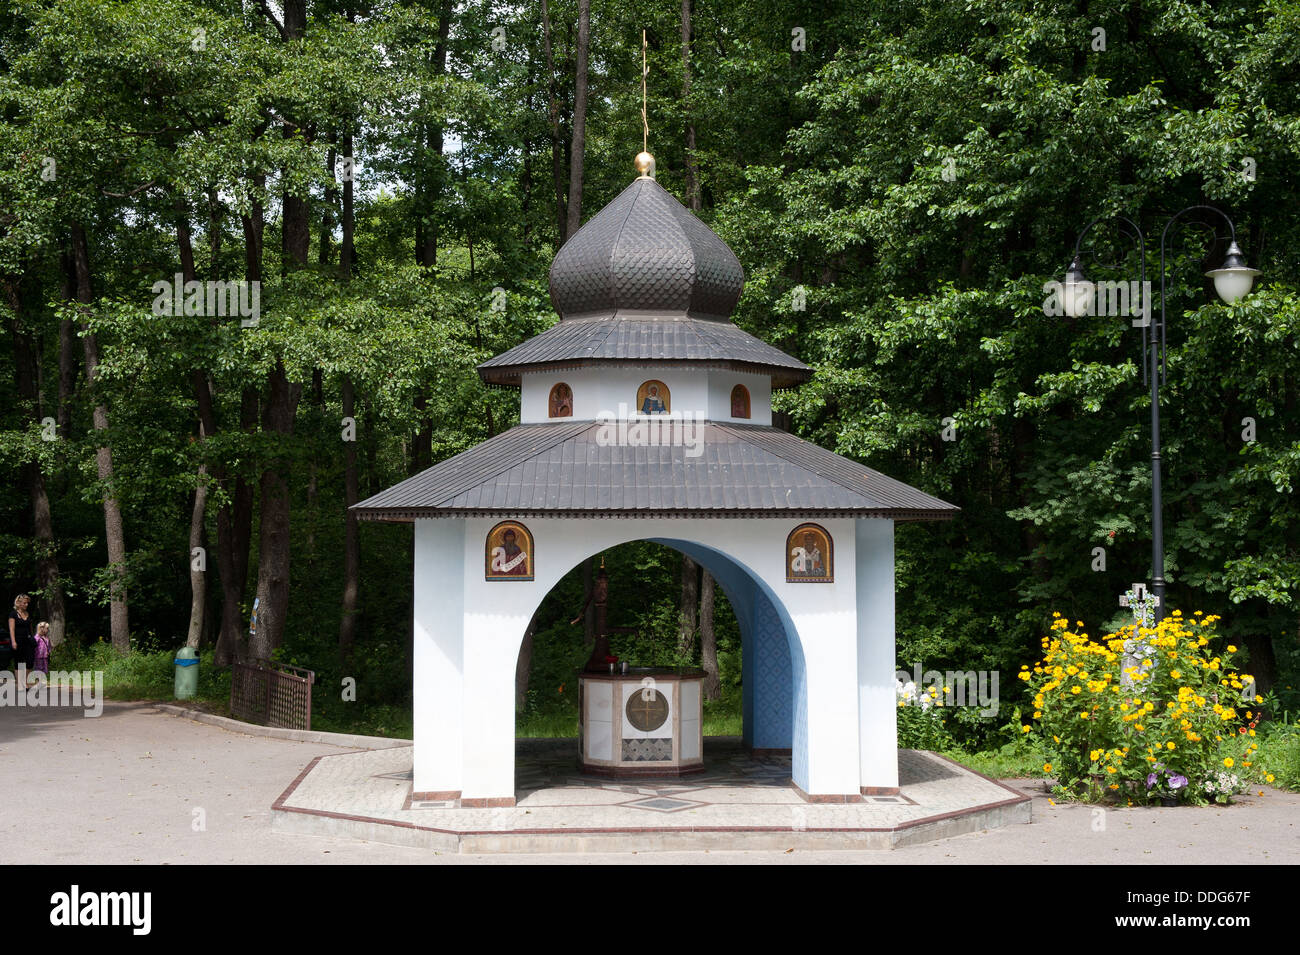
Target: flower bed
point(1145, 713)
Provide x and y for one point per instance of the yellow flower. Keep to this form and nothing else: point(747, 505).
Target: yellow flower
point(1170, 744)
point(1025, 729)
point(1175, 674)
point(1268, 778)
point(1047, 767)
point(1227, 761)
point(1231, 648)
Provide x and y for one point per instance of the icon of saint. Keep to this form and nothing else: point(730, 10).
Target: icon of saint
point(806, 561)
point(509, 559)
point(653, 404)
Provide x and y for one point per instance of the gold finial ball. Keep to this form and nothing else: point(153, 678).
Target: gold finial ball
point(645, 165)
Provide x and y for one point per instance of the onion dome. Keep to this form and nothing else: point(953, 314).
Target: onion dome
point(645, 253)
point(645, 280)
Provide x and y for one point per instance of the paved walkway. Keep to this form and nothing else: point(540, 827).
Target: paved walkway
point(737, 801)
point(123, 788)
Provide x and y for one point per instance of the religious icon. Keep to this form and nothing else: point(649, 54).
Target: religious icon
point(653, 398)
point(561, 403)
point(740, 402)
point(809, 557)
point(509, 552)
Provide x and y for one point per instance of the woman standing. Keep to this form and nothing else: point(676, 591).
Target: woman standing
point(22, 648)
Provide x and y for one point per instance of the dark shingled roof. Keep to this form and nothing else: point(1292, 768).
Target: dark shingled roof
point(567, 469)
point(645, 281)
point(645, 250)
point(624, 340)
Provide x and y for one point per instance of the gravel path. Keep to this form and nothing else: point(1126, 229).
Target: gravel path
point(125, 788)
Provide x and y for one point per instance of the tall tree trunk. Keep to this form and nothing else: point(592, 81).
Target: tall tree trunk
point(214, 233)
point(422, 444)
point(234, 537)
point(198, 574)
point(47, 563)
point(351, 540)
point(557, 145)
point(579, 119)
point(235, 520)
point(692, 167)
point(207, 426)
point(708, 640)
point(68, 348)
point(282, 396)
point(689, 620)
point(327, 211)
point(426, 244)
point(273, 555)
point(347, 252)
point(114, 534)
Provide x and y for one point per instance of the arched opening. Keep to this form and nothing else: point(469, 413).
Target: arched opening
point(814, 659)
point(763, 690)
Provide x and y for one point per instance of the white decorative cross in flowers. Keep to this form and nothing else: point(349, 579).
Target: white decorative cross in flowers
point(1141, 603)
point(1138, 654)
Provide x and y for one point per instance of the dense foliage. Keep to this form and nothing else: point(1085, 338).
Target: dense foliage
point(899, 180)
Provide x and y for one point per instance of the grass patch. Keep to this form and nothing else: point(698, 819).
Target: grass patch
point(1279, 756)
point(144, 676)
point(999, 763)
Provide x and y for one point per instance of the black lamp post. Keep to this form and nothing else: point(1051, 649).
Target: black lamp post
point(1232, 281)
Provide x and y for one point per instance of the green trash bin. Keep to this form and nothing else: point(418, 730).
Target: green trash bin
point(187, 673)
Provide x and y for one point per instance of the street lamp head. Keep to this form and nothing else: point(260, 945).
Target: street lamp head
point(1233, 280)
point(1077, 300)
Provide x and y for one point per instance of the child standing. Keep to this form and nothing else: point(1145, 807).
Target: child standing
point(42, 661)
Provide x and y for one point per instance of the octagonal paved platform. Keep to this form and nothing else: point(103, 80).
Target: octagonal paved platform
point(739, 802)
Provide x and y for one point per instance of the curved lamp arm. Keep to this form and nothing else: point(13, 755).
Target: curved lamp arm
point(1134, 232)
point(1234, 263)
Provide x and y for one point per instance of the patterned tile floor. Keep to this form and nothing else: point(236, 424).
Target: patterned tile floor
point(736, 790)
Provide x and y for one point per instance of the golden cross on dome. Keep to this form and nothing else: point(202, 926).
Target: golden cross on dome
point(645, 163)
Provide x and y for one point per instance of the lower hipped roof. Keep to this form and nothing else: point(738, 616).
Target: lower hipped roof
point(572, 469)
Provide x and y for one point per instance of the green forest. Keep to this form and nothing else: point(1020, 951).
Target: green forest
point(898, 180)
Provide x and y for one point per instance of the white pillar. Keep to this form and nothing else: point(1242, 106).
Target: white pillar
point(830, 657)
point(438, 655)
point(877, 700)
point(491, 654)
point(825, 617)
